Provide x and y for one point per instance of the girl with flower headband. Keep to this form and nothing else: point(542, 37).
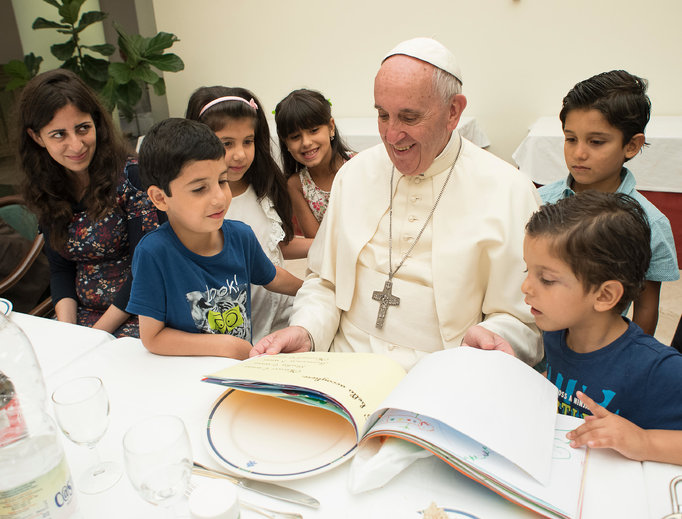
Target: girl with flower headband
point(259, 192)
point(312, 152)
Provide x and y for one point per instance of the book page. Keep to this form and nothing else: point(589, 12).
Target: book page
point(657, 478)
point(491, 397)
point(357, 381)
point(614, 487)
point(561, 495)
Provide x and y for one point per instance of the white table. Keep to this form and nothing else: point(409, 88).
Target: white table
point(58, 344)
point(657, 168)
point(140, 383)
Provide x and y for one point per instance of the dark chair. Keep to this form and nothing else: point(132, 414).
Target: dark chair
point(15, 213)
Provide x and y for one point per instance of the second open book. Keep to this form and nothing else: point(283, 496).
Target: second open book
point(485, 413)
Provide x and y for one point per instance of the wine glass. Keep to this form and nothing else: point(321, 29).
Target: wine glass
point(158, 460)
point(82, 410)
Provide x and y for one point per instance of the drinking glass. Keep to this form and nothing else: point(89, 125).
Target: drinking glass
point(82, 410)
point(158, 459)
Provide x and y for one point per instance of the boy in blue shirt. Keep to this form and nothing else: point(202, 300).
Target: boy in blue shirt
point(603, 119)
point(191, 276)
point(587, 256)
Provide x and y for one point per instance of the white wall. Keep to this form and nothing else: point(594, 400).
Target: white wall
point(519, 57)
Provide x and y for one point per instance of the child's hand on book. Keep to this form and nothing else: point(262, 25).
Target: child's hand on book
point(483, 339)
point(605, 429)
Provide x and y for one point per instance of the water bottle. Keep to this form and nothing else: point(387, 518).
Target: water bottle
point(35, 480)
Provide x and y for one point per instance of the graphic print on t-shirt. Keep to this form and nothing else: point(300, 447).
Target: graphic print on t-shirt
point(568, 403)
point(222, 310)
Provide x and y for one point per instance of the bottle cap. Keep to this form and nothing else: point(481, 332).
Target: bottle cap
point(214, 499)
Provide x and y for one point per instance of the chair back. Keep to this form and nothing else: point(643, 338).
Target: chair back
point(16, 214)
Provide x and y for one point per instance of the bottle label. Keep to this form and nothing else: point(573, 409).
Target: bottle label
point(50, 496)
point(12, 424)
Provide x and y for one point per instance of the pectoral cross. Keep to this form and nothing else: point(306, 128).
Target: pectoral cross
point(385, 299)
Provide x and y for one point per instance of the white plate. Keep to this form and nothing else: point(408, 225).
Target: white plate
point(5, 306)
point(268, 438)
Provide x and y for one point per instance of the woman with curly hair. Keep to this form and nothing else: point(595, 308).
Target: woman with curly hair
point(82, 184)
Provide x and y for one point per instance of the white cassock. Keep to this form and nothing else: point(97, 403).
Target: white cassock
point(467, 267)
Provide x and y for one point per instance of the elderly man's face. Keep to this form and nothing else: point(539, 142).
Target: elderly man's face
point(414, 123)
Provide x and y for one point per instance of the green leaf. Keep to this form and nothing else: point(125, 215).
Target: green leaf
point(16, 69)
point(129, 94)
point(95, 68)
point(127, 111)
point(42, 23)
point(72, 64)
point(95, 84)
point(89, 18)
point(53, 2)
point(161, 41)
point(160, 87)
point(167, 62)
point(32, 63)
point(105, 49)
point(131, 46)
point(63, 51)
point(69, 11)
point(146, 74)
point(15, 83)
point(120, 72)
point(108, 94)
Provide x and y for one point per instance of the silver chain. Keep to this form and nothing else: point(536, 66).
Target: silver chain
point(392, 272)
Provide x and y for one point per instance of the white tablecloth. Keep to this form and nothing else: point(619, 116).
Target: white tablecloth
point(58, 344)
point(657, 167)
point(140, 383)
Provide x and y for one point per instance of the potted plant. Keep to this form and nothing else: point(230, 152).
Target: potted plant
point(120, 84)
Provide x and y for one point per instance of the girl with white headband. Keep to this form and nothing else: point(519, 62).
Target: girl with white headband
point(259, 192)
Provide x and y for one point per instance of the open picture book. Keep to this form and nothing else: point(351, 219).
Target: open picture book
point(485, 413)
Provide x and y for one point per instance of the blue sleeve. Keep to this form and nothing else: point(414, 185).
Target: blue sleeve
point(148, 293)
point(663, 266)
point(552, 193)
point(262, 269)
point(663, 390)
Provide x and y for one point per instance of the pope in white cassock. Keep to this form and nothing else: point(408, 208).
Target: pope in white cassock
point(421, 245)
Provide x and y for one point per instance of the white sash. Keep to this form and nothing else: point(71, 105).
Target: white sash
point(412, 324)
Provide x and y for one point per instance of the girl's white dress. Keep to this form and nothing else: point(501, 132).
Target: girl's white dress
point(269, 311)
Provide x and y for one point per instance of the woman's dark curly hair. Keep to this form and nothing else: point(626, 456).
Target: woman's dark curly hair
point(48, 190)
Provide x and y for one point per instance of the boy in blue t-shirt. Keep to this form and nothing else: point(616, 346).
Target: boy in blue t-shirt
point(192, 275)
point(603, 119)
point(587, 256)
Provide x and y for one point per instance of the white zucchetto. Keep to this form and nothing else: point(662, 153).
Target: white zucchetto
point(430, 51)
